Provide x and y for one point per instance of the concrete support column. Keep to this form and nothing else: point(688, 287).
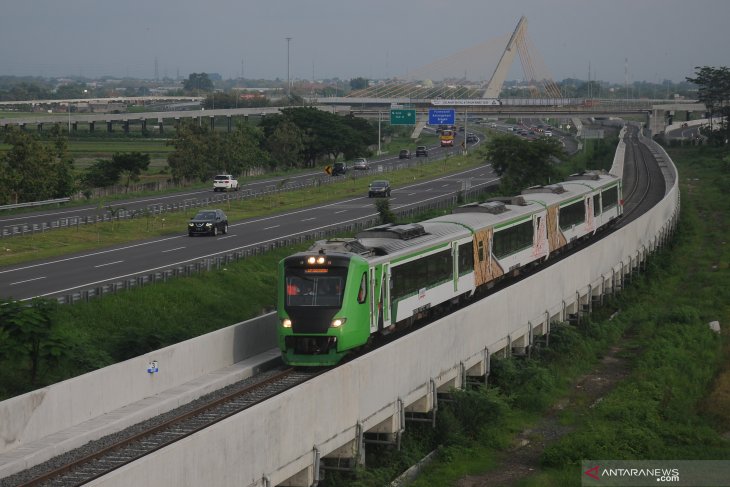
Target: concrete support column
point(74, 126)
point(159, 123)
point(91, 127)
point(657, 121)
point(109, 125)
point(144, 124)
point(229, 120)
point(212, 123)
point(125, 126)
point(40, 127)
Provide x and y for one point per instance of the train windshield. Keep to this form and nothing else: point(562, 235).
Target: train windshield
point(322, 287)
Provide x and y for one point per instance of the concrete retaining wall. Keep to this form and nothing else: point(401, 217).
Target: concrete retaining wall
point(37, 414)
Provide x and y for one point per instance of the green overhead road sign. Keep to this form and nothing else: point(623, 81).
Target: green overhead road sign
point(403, 117)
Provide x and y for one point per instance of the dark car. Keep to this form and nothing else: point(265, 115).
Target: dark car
point(421, 151)
point(470, 137)
point(379, 188)
point(208, 222)
point(404, 154)
point(339, 168)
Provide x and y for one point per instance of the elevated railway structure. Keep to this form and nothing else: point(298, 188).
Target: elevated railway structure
point(328, 420)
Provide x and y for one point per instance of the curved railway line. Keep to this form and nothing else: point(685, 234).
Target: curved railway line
point(643, 187)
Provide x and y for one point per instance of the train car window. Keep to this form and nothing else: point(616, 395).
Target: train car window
point(572, 214)
point(480, 249)
point(596, 205)
point(466, 258)
point(420, 273)
point(362, 293)
point(512, 239)
point(610, 197)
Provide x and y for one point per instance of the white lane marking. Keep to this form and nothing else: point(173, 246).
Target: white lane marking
point(337, 203)
point(227, 236)
point(172, 250)
point(411, 194)
point(269, 228)
point(341, 211)
point(444, 185)
point(27, 280)
point(109, 263)
point(241, 223)
point(309, 219)
point(88, 255)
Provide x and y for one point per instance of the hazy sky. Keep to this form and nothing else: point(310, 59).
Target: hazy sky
point(662, 39)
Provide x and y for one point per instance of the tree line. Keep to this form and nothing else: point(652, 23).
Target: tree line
point(301, 137)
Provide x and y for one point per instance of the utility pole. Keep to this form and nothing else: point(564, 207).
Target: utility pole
point(288, 79)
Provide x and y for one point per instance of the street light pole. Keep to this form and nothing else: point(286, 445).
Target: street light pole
point(288, 82)
point(379, 134)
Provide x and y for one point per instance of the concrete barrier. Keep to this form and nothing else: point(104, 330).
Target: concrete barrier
point(37, 414)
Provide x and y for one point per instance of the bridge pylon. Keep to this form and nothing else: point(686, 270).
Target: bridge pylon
point(518, 44)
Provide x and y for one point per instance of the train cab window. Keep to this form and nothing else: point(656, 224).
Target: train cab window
point(362, 293)
point(325, 289)
point(596, 205)
point(480, 250)
point(610, 197)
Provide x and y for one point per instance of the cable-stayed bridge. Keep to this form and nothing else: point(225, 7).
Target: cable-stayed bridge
point(453, 75)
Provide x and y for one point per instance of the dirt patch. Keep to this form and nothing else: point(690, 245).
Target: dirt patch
point(523, 459)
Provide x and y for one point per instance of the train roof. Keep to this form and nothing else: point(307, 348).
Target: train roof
point(393, 240)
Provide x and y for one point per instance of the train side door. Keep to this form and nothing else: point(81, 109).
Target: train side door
point(385, 295)
point(540, 247)
point(590, 222)
point(455, 264)
point(373, 301)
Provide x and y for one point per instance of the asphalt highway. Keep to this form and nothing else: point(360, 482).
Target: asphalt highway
point(66, 274)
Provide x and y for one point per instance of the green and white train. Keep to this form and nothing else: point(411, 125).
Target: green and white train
point(337, 296)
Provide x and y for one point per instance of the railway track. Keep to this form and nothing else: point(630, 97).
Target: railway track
point(151, 436)
point(643, 180)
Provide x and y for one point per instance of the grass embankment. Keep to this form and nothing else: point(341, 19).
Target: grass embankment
point(674, 402)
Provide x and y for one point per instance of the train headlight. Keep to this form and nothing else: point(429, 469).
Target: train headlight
point(286, 323)
point(320, 260)
point(311, 260)
point(338, 322)
point(208, 224)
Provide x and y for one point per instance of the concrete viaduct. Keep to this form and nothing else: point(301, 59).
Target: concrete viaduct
point(655, 113)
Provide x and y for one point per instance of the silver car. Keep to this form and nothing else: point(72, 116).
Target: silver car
point(361, 164)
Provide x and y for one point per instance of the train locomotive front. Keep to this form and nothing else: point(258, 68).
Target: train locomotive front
point(323, 307)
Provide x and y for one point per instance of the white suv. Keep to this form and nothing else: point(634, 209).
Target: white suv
point(225, 182)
